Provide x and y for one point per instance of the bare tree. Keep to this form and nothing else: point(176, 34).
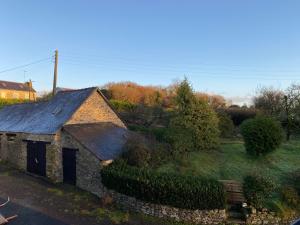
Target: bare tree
point(285, 106)
point(270, 101)
point(292, 108)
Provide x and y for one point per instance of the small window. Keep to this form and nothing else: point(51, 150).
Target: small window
point(56, 111)
point(11, 137)
point(26, 95)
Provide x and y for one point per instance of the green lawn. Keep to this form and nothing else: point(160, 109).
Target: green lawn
point(232, 162)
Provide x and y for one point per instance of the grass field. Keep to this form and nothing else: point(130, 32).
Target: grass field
point(232, 162)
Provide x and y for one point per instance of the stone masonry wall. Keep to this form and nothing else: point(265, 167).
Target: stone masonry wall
point(15, 152)
point(12, 150)
point(88, 166)
point(216, 216)
point(265, 217)
point(14, 94)
point(95, 109)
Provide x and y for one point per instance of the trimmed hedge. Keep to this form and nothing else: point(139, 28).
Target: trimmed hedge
point(188, 192)
point(261, 135)
point(5, 102)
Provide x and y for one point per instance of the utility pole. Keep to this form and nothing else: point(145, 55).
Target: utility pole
point(55, 72)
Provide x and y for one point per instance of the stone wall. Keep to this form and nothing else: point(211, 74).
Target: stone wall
point(14, 150)
point(216, 216)
point(88, 166)
point(95, 109)
point(264, 217)
point(14, 94)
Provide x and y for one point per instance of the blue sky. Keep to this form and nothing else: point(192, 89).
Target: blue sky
point(226, 47)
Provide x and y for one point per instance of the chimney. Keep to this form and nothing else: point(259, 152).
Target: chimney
point(29, 84)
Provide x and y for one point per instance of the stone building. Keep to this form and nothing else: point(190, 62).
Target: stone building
point(67, 139)
point(20, 91)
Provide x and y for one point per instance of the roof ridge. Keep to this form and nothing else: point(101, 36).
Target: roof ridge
point(12, 82)
point(75, 90)
point(99, 122)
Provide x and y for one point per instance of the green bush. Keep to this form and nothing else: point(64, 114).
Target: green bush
point(258, 189)
point(261, 135)
point(188, 192)
point(122, 106)
point(290, 196)
point(194, 129)
point(294, 179)
point(136, 151)
point(4, 102)
point(158, 132)
point(226, 125)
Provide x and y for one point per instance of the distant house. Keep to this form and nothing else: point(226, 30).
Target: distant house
point(67, 139)
point(14, 90)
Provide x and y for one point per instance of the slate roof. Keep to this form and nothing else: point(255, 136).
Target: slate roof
point(105, 139)
point(43, 117)
point(8, 85)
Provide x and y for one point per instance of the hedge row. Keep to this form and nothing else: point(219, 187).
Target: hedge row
point(5, 102)
point(188, 192)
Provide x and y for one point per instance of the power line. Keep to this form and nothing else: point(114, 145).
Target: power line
point(25, 65)
point(156, 71)
point(195, 64)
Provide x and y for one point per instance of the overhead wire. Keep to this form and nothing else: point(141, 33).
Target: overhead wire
point(25, 65)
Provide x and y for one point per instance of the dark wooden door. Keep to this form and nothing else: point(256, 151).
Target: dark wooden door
point(36, 158)
point(69, 165)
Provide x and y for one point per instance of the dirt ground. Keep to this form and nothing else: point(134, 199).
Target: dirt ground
point(38, 202)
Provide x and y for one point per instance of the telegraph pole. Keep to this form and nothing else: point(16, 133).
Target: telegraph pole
point(55, 72)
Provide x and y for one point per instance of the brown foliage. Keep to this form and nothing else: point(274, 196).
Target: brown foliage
point(215, 101)
point(138, 94)
point(154, 95)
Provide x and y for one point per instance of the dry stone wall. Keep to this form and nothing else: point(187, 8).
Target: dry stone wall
point(264, 217)
point(217, 216)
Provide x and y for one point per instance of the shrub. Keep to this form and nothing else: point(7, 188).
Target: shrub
point(5, 102)
point(226, 125)
point(290, 196)
point(261, 135)
point(257, 189)
point(188, 192)
point(195, 129)
point(121, 106)
point(294, 179)
point(136, 151)
point(195, 125)
point(239, 114)
point(158, 132)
